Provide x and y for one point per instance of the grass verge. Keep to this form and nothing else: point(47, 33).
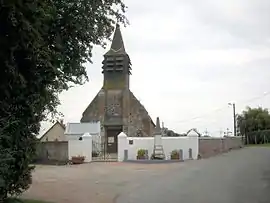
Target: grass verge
point(259, 145)
point(12, 200)
point(33, 201)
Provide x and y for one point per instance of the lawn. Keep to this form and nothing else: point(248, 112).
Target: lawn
point(259, 145)
point(33, 201)
point(24, 201)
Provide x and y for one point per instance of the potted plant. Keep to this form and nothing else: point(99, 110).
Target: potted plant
point(141, 154)
point(77, 159)
point(175, 155)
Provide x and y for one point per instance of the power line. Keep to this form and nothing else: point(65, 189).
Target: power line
point(255, 98)
point(219, 109)
point(201, 116)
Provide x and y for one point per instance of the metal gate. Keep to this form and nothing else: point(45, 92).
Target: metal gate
point(100, 150)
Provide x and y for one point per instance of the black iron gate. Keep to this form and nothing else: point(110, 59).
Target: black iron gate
point(100, 151)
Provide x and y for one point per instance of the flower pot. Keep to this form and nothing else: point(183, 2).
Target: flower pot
point(175, 157)
point(77, 160)
point(141, 157)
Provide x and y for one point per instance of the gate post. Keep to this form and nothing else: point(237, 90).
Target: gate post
point(181, 158)
point(122, 146)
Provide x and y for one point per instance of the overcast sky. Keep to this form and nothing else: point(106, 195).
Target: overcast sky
point(189, 59)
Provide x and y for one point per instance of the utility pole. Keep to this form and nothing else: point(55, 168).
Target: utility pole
point(234, 118)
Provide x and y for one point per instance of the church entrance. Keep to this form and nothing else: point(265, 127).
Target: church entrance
point(111, 138)
point(105, 148)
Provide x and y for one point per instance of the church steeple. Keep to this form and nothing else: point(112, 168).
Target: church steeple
point(117, 46)
point(116, 64)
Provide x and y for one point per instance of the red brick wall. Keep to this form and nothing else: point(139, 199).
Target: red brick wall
point(209, 146)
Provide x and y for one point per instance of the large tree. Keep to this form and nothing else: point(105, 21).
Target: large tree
point(44, 45)
point(254, 123)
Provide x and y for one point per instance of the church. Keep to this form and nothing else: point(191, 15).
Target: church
point(115, 106)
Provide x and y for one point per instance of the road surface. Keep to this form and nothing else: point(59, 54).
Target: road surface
point(240, 176)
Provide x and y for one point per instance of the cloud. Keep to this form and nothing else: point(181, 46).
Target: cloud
point(247, 20)
point(189, 59)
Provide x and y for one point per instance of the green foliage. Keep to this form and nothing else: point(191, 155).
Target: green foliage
point(254, 123)
point(141, 153)
point(175, 154)
point(44, 46)
point(258, 137)
point(14, 200)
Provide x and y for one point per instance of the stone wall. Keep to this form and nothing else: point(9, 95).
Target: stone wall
point(209, 146)
point(120, 107)
point(140, 123)
point(56, 151)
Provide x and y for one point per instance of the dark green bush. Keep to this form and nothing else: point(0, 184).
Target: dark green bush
point(44, 46)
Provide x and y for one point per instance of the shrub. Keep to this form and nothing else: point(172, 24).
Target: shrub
point(17, 149)
point(175, 154)
point(141, 153)
point(44, 46)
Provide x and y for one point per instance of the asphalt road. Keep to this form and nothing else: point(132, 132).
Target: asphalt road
point(240, 176)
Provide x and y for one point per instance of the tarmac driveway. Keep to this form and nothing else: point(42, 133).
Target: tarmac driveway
point(90, 183)
point(236, 177)
point(241, 176)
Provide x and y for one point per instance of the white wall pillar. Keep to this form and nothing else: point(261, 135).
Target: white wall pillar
point(87, 147)
point(122, 145)
point(194, 139)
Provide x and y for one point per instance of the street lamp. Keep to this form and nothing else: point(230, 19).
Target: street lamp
point(234, 118)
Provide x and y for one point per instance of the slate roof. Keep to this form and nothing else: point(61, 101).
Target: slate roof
point(81, 128)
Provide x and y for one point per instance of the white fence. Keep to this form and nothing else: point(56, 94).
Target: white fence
point(83, 146)
point(133, 144)
point(80, 147)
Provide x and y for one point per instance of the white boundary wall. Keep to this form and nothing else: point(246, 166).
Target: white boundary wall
point(82, 147)
point(169, 144)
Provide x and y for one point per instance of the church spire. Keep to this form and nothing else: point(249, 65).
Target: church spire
point(117, 46)
point(116, 64)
